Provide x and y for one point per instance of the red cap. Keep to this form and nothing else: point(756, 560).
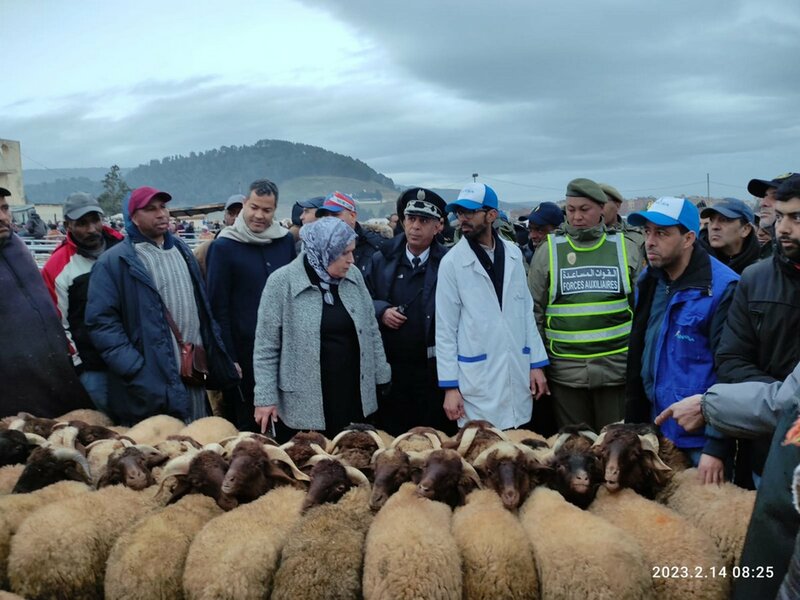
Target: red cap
point(141, 197)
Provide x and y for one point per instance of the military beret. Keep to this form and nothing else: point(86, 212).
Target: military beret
point(611, 192)
point(586, 188)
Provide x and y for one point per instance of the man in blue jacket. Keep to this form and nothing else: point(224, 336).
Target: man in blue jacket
point(133, 290)
point(682, 301)
point(402, 282)
point(238, 264)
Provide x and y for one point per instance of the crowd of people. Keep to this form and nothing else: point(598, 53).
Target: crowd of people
point(679, 315)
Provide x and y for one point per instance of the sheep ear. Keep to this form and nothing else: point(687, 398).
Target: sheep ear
point(183, 488)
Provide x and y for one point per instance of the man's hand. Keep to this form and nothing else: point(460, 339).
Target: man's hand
point(393, 318)
point(710, 469)
point(454, 404)
point(263, 415)
point(538, 384)
point(686, 412)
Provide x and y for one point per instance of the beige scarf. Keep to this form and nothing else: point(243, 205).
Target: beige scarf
point(240, 232)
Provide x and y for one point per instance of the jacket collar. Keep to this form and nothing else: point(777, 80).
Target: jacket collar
point(696, 275)
point(397, 245)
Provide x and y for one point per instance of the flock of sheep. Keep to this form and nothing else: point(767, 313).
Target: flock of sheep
point(164, 510)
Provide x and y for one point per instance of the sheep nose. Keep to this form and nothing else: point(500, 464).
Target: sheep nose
point(582, 478)
point(510, 498)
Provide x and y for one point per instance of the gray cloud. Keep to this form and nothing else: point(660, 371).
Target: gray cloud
point(530, 95)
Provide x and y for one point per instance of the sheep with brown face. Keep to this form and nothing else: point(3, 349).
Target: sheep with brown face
point(511, 471)
point(198, 472)
point(474, 437)
point(300, 449)
point(330, 479)
point(48, 464)
point(92, 433)
point(131, 468)
point(27, 423)
point(576, 476)
point(356, 445)
point(574, 437)
point(630, 460)
point(256, 468)
point(392, 468)
point(447, 477)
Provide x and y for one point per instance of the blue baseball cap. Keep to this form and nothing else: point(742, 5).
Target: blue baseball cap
point(668, 211)
point(475, 196)
point(547, 213)
point(731, 208)
point(312, 202)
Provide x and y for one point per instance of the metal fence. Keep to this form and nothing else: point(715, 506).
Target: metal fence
point(42, 249)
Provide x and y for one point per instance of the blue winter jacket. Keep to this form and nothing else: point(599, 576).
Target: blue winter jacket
point(125, 317)
point(687, 337)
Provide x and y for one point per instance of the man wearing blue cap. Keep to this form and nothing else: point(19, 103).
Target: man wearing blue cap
point(682, 301)
point(731, 235)
point(490, 357)
point(542, 221)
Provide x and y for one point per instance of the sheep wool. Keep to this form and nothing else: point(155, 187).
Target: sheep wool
point(155, 429)
point(410, 552)
point(580, 555)
point(666, 539)
point(235, 556)
point(15, 508)
point(497, 556)
point(518, 435)
point(333, 569)
point(149, 558)
point(60, 551)
point(88, 416)
point(9, 596)
point(8, 477)
point(722, 511)
point(209, 430)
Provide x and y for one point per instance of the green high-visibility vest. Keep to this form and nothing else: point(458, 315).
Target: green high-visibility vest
point(588, 313)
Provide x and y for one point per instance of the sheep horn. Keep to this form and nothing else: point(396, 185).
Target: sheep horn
point(377, 452)
point(178, 465)
point(562, 437)
point(356, 476)
point(214, 447)
point(378, 440)
point(400, 438)
point(335, 440)
point(649, 443)
point(275, 453)
point(499, 433)
point(436, 443)
point(66, 436)
point(72, 454)
point(467, 437)
point(600, 438)
point(588, 434)
point(417, 458)
point(34, 438)
point(471, 473)
point(18, 424)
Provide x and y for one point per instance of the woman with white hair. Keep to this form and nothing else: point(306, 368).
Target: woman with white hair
point(318, 354)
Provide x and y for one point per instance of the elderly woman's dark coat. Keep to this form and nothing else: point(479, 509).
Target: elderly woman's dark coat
point(36, 373)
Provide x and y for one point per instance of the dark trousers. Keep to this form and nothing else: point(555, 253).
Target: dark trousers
point(597, 407)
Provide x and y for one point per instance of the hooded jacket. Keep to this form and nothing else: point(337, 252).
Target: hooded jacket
point(125, 317)
point(66, 275)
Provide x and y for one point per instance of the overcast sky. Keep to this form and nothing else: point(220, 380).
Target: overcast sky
point(646, 95)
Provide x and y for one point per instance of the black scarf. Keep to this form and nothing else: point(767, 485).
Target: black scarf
point(496, 269)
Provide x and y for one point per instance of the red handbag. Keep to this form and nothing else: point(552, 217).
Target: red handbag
point(194, 366)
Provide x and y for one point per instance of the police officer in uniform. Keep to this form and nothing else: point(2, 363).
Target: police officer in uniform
point(402, 282)
point(582, 285)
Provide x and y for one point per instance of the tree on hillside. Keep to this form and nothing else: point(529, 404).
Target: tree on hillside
point(115, 188)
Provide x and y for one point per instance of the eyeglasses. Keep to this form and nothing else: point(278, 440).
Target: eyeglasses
point(467, 213)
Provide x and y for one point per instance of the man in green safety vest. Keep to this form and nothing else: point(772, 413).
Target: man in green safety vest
point(582, 287)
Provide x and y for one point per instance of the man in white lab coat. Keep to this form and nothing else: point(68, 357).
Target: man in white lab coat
point(490, 356)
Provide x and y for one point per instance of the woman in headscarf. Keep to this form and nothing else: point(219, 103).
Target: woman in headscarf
point(318, 354)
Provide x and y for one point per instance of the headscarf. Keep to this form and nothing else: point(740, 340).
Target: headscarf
point(240, 232)
point(324, 241)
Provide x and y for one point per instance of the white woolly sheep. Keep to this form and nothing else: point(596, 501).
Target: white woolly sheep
point(333, 569)
point(235, 556)
point(88, 416)
point(410, 551)
point(98, 453)
point(580, 555)
point(148, 560)
point(209, 429)
point(60, 551)
point(9, 475)
point(155, 429)
point(15, 508)
point(723, 512)
point(497, 556)
point(666, 539)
